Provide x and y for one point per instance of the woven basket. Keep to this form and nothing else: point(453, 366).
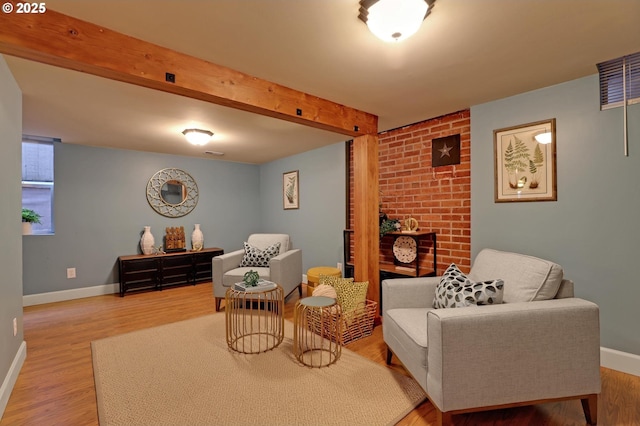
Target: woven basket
point(359, 323)
point(355, 324)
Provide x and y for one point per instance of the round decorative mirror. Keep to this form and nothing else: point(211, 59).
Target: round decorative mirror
point(172, 192)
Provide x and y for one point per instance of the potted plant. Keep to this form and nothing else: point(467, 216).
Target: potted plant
point(29, 217)
point(389, 225)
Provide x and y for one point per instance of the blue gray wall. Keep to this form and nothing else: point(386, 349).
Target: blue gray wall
point(592, 230)
point(316, 227)
point(101, 208)
point(10, 228)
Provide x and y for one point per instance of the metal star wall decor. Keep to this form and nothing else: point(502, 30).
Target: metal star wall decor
point(445, 151)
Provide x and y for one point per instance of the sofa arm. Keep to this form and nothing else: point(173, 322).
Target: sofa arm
point(408, 292)
point(223, 263)
point(514, 352)
point(565, 290)
point(286, 269)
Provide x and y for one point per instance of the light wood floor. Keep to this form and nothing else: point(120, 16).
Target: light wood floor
point(55, 386)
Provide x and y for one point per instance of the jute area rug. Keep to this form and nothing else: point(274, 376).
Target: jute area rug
point(184, 374)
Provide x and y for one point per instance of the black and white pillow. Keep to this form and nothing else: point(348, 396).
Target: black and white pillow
point(253, 256)
point(456, 290)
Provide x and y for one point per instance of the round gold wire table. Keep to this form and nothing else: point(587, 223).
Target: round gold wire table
point(254, 319)
point(317, 326)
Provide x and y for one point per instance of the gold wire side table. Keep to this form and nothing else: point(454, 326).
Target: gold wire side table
point(315, 330)
point(254, 319)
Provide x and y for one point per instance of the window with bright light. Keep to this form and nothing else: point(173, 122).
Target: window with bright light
point(37, 182)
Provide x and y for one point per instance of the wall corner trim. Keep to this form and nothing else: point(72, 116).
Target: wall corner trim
point(12, 376)
point(620, 361)
point(76, 293)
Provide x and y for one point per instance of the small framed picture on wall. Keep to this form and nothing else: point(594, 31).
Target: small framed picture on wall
point(525, 162)
point(291, 190)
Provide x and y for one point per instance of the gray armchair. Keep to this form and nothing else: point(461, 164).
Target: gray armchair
point(541, 344)
point(284, 269)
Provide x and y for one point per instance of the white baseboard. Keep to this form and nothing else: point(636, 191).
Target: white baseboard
point(620, 361)
point(10, 380)
point(76, 293)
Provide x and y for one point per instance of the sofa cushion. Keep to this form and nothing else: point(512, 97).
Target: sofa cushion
point(413, 322)
point(263, 241)
point(236, 275)
point(253, 256)
point(526, 278)
point(456, 290)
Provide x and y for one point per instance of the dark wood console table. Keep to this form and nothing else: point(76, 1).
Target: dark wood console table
point(156, 271)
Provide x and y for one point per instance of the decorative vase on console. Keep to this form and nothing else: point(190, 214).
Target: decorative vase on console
point(147, 241)
point(197, 238)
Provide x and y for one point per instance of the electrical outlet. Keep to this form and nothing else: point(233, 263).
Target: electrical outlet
point(15, 327)
point(340, 266)
point(71, 273)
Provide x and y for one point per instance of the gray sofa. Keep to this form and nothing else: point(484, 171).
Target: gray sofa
point(284, 269)
point(541, 344)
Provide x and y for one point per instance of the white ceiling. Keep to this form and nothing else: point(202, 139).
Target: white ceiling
point(467, 52)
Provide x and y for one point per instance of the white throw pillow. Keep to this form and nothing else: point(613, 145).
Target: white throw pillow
point(326, 291)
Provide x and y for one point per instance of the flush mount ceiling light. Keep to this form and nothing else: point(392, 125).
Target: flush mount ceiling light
point(197, 136)
point(543, 137)
point(394, 20)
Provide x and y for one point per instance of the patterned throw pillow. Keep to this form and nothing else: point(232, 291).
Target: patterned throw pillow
point(332, 280)
point(456, 290)
point(350, 294)
point(253, 256)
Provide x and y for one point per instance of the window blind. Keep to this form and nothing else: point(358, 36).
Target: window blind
point(616, 75)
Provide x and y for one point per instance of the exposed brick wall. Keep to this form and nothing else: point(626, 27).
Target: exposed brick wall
point(438, 197)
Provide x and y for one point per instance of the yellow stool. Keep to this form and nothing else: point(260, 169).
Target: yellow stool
point(313, 276)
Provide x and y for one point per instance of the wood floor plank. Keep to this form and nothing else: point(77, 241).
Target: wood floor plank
point(55, 385)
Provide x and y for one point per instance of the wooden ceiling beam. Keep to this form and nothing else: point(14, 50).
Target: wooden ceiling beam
point(61, 40)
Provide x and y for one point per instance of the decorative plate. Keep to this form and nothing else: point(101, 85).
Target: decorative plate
point(405, 249)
